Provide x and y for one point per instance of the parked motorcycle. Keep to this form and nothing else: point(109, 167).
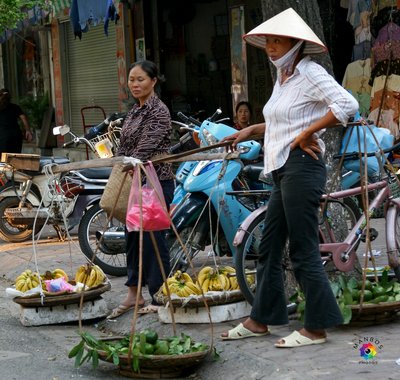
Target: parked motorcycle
point(32, 198)
point(217, 198)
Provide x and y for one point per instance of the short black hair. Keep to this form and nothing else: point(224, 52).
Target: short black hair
point(245, 103)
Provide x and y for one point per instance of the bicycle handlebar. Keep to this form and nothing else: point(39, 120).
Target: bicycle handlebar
point(356, 155)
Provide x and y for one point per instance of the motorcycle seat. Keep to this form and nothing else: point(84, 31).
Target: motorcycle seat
point(45, 160)
point(96, 173)
point(252, 171)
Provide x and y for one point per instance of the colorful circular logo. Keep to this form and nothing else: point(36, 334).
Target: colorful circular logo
point(368, 351)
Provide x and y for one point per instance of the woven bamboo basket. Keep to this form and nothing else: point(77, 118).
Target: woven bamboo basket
point(158, 366)
point(195, 301)
point(374, 314)
point(61, 298)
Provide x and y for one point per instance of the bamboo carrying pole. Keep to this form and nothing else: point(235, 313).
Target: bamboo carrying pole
point(190, 155)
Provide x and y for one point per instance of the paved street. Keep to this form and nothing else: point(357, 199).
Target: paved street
point(41, 352)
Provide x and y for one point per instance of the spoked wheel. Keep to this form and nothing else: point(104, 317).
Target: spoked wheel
point(246, 259)
point(337, 220)
point(9, 232)
point(177, 256)
point(106, 239)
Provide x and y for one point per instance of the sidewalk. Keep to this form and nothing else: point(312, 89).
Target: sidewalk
point(253, 358)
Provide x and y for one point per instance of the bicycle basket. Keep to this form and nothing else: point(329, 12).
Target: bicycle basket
point(106, 144)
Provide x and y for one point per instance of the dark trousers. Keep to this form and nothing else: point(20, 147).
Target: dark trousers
point(293, 213)
point(151, 269)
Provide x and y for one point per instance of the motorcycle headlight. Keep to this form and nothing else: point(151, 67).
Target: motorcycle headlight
point(211, 140)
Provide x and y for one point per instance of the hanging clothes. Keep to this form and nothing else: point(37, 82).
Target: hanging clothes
point(382, 96)
point(381, 68)
point(385, 120)
point(355, 8)
point(361, 51)
point(382, 52)
point(356, 79)
point(84, 13)
point(382, 18)
point(362, 32)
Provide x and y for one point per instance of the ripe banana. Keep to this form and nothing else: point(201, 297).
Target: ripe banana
point(92, 276)
point(58, 273)
point(180, 284)
point(27, 280)
point(203, 274)
point(233, 283)
point(80, 274)
point(179, 275)
point(205, 285)
point(91, 282)
point(100, 275)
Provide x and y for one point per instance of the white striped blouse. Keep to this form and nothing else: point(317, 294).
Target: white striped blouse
point(296, 104)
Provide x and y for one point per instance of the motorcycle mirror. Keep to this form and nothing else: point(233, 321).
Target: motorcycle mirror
point(61, 130)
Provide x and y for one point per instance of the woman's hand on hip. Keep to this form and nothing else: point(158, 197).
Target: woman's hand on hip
point(308, 143)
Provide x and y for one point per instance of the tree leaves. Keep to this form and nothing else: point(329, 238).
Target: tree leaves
point(13, 11)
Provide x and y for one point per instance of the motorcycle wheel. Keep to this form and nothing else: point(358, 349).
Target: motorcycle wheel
point(13, 233)
point(112, 260)
point(177, 257)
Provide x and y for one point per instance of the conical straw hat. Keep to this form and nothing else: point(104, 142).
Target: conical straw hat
point(287, 24)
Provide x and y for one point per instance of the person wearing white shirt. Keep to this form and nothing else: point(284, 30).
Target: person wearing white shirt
point(305, 101)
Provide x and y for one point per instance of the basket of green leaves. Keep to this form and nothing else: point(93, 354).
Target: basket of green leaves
point(362, 302)
point(142, 355)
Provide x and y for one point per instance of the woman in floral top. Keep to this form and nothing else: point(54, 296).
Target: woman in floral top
point(146, 132)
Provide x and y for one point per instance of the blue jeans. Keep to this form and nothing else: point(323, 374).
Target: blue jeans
point(293, 213)
point(151, 270)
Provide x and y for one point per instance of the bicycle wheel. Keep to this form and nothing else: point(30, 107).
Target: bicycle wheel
point(340, 213)
point(246, 258)
point(338, 217)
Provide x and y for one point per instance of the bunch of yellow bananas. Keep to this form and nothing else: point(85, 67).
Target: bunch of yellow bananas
point(56, 273)
point(218, 279)
point(212, 279)
point(27, 280)
point(181, 284)
point(90, 275)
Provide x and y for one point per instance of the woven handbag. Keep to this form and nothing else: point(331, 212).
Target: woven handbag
point(114, 200)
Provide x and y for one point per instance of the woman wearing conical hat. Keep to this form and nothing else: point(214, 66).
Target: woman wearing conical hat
point(305, 101)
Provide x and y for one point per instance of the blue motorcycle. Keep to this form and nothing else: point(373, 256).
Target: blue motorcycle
point(217, 197)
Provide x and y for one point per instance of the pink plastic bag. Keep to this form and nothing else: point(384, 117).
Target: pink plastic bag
point(154, 211)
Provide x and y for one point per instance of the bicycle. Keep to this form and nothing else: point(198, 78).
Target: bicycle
point(342, 251)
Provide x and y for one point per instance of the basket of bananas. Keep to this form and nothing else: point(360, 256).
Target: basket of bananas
point(57, 288)
point(215, 286)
